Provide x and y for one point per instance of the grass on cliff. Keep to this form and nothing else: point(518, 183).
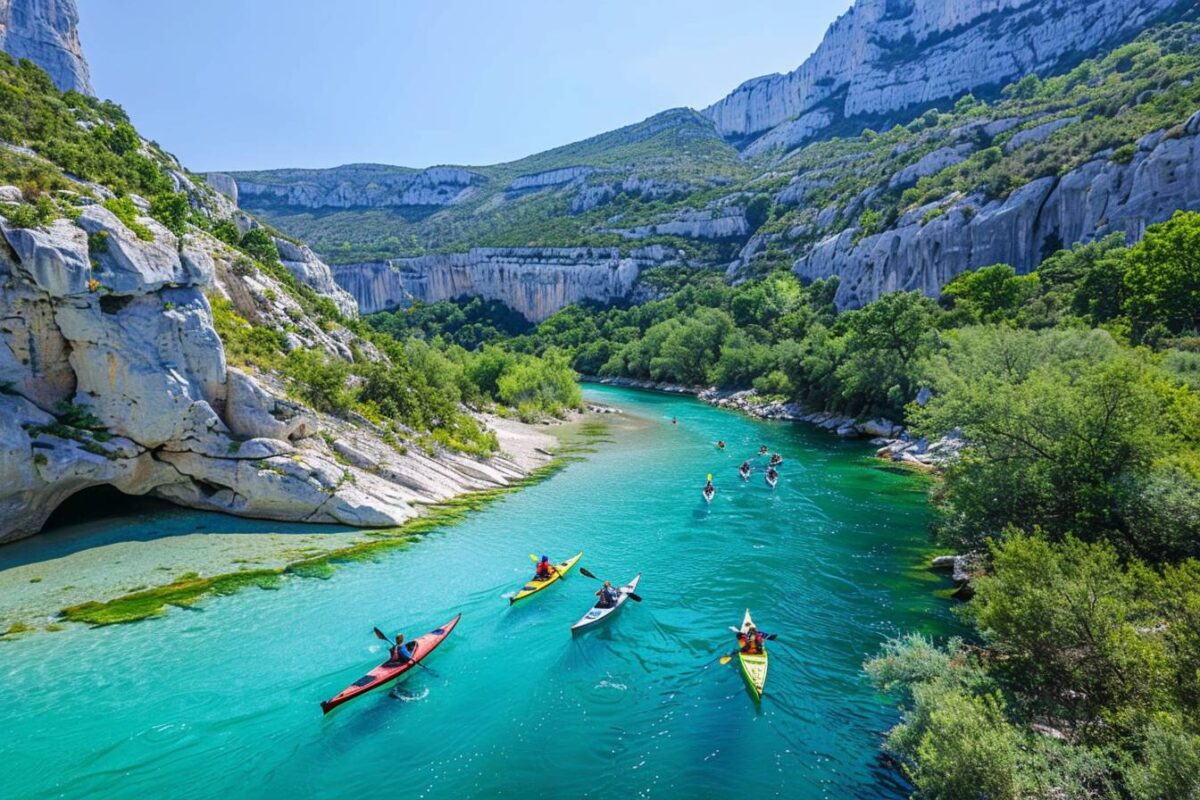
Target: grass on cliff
point(190, 590)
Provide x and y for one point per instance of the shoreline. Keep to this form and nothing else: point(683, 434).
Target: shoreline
point(120, 568)
point(892, 440)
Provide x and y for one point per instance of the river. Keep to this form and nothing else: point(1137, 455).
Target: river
point(221, 700)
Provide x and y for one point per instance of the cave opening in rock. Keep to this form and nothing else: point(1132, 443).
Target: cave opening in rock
point(98, 503)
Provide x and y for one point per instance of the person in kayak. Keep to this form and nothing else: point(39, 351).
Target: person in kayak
point(772, 474)
point(400, 651)
point(752, 640)
point(721, 444)
point(608, 595)
point(544, 570)
point(776, 459)
point(762, 450)
point(745, 468)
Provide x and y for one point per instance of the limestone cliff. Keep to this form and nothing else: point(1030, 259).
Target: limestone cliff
point(885, 56)
point(923, 251)
point(533, 281)
point(47, 33)
point(356, 186)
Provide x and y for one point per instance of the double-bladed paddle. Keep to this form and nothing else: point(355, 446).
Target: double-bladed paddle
point(584, 572)
point(383, 636)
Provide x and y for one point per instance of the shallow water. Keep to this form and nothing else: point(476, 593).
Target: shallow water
point(220, 700)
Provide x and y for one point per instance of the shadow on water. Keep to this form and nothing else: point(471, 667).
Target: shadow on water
point(86, 520)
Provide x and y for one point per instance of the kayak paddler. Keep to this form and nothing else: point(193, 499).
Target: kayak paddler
point(751, 640)
point(721, 444)
point(544, 569)
point(773, 474)
point(400, 651)
point(608, 595)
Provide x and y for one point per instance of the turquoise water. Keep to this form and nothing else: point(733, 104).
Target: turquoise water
point(220, 701)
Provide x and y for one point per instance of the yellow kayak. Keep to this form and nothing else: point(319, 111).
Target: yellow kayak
point(754, 666)
point(534, 586)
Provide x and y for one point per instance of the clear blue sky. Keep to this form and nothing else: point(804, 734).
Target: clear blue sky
point(245, 84)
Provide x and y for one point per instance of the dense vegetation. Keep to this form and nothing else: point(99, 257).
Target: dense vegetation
point(1076, 388)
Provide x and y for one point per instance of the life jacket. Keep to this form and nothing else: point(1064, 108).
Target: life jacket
point(543, 569)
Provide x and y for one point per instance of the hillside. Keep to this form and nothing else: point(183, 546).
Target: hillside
point(1062, 155)
point(158, 341)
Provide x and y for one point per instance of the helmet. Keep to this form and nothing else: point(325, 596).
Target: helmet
point(545, 559)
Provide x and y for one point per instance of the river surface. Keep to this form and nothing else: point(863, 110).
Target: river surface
point(221, 700)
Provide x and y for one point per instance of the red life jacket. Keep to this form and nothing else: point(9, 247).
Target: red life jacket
point(543, 569)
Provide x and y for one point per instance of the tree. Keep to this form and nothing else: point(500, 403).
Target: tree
point(885, 340)
point(990, 294)
point(1162, 276)
point(1056, 420)
point(260, 244)
point(173, 210)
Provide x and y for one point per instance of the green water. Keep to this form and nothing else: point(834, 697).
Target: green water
point(220, 701)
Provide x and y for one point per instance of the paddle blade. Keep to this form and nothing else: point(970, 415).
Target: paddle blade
point(772, 637)
point(634, 597)
point(382, 635)
point(585, 573)
point(533, 558)
point(726, 659)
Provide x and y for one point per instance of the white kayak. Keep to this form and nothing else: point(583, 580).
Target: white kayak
point(772, 481)
point(598, 614)
point(709, 494)
point(745, 473)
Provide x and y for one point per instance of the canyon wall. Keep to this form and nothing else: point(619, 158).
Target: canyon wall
point(884, 56)
point(533, 281)
point(47, 33)
point(1097, 199)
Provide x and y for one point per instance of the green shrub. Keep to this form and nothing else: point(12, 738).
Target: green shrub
point(124, 210)
point(173, 210)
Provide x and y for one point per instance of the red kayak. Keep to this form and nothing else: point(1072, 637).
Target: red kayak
point(390, 670)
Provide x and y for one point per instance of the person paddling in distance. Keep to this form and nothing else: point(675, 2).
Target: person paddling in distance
point(608, 595)
point(762, 450)
point(544, 569)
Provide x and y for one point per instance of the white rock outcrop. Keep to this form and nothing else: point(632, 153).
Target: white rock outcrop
point(112, 373)
point(727, 222)
point(47, 33)
point(302, 262)
point(885, 56)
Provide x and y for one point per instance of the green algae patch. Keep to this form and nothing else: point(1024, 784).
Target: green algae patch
point(16, 629)
point(153, 602)
point(190, 588)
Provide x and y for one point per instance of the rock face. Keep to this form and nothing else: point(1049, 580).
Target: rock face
point(302, 262)
point(1097, 199)
point(355, 186)
point(47, 33)
point(884, 56)
point(533, 281)
point(728, 222)
point(112, 373)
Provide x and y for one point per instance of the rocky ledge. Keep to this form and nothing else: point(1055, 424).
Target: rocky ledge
point(112, 374)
